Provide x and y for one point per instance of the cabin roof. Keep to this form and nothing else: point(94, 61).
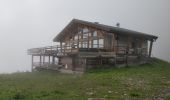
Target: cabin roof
point(110, 29)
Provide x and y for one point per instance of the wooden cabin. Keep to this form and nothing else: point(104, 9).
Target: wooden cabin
point(84, 45)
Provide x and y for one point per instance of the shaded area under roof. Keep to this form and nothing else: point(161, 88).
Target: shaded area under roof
point(110, 29)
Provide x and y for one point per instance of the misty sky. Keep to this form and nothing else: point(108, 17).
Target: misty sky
point(27, 24)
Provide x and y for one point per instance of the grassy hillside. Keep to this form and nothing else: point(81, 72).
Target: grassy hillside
point(144, 82)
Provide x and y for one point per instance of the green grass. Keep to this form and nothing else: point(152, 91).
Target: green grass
point(138, 82)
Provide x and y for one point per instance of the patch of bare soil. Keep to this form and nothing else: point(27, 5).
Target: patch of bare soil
point(163, 95)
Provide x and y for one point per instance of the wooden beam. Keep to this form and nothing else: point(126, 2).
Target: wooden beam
point(61, 46)
point(150, 48)
point(88, 40)
point(113, 42)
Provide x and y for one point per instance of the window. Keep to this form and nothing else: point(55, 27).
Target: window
point(85, 30)
point(95, 44)
point(95, 33)
point(85, 35)
point(75, 45)
point(90, 34)
point(90, 44)
point(94, 41)
point(84, 44)
point(79, 44)
point(76, 37)
point(67, 45)
point(101, 43)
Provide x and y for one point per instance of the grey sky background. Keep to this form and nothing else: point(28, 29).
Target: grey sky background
point(27, 24)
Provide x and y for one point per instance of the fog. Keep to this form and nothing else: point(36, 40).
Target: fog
point(27, 24)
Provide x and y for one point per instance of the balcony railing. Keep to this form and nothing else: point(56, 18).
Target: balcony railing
point(131, 51)
point(56, 50)
point(63, 50)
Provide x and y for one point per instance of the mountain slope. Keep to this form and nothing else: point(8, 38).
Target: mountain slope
point(138, 82)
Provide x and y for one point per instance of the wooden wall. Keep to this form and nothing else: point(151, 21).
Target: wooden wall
point(111, 41)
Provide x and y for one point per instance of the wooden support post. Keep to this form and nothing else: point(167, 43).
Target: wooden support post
point(61, 46)
point(101, 60)
point(117, 43)
point(40, 61)
point(64, 49)
point(128, 44)
point(72, 44)
point(88, 41)
point(97, 42)
point(49, 60)
point(150, 48)
point(111, 47)
point(32, 62)
point(43, 59)
point(92, 43)
point(78, 38)
point(115, 61)
point(57, 51)
point(59, 61)
point(85, 63)
point(81, 39)
point(126, 58)
point(53, 62)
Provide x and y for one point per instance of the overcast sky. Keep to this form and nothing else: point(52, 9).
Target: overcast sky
point(27, 24)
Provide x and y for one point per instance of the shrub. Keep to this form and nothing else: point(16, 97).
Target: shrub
point(18, 96)
point(134, 94)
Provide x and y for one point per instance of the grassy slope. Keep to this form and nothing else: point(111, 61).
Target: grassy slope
point(147, 82)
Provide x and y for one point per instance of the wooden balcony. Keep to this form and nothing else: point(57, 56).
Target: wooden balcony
point(58, 50)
